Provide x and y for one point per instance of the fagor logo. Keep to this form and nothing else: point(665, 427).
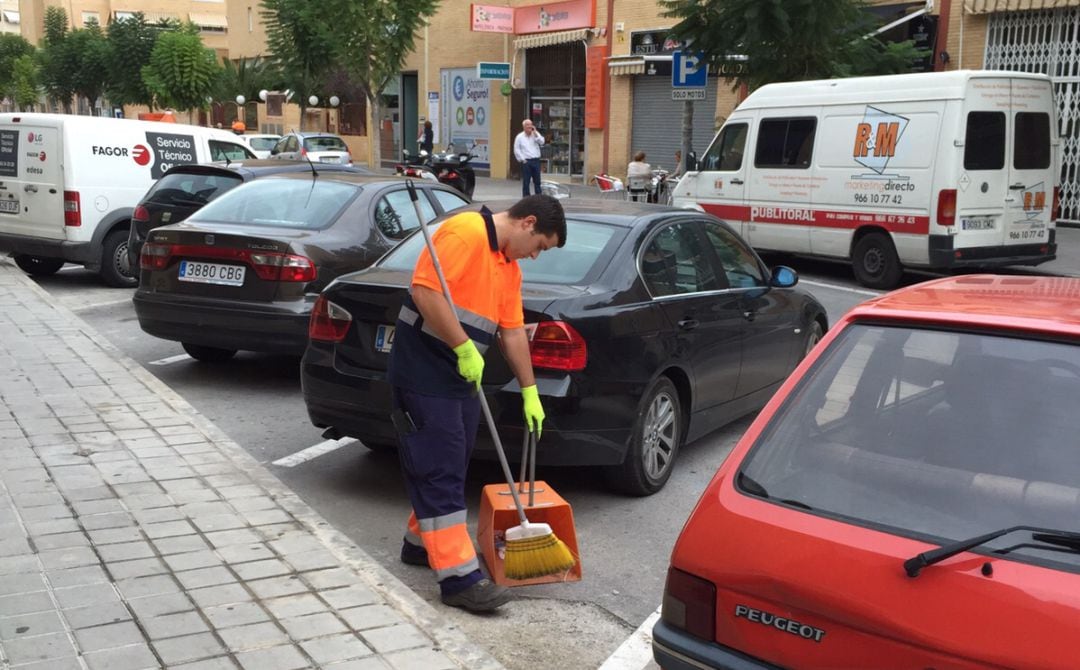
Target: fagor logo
point(877, 138)
point(141, 154)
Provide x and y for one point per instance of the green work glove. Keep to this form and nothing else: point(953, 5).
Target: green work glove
point(470, 363)
point(534, 411)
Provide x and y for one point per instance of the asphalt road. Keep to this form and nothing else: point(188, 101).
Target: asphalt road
point(625, 542)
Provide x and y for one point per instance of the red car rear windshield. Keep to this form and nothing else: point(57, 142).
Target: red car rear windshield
point(933, 434)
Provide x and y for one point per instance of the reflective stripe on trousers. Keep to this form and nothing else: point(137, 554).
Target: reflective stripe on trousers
point(434, 460)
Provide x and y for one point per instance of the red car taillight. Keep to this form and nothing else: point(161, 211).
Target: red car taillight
point(555, 345)
point(141, 215)
point(1057, 204)
point(690, 604)
point(155, 256)
point(268, 265)
point(329, 322)
point(72, 210)
point(946, 207)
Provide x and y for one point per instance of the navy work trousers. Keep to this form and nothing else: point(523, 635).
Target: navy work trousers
point(530, 171)
point(437, 439)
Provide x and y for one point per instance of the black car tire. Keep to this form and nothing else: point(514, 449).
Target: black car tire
point(38, 266)
point(875, 262)
point(207, 354)
point(380, 446)
point(654, 444)
point(115, 268)
point(814, 333)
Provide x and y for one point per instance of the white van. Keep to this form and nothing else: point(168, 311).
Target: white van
point(69, 184)
point(937, 170)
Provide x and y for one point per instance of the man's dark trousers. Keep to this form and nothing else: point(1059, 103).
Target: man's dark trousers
point(530, 171)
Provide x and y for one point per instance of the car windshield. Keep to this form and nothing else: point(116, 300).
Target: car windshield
point(284, 203)
point(934, 434)
point(263, 143)
point(585, 243)
point(324, 143)
point(190, 190)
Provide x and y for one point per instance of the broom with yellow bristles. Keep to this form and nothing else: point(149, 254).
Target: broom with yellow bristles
point(532, 550)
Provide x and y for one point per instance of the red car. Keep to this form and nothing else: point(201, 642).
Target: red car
point(909, 498)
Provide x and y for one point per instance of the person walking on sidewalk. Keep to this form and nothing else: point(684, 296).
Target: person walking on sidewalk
point(436, 365)
point(527, 151)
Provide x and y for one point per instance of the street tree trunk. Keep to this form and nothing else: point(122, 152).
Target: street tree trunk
point(375, 131)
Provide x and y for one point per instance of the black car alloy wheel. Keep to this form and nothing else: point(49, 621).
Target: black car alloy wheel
point(654, 444)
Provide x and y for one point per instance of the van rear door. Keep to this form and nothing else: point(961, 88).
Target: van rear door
point(1032, 174)
point(31, 181)
point(983, 184)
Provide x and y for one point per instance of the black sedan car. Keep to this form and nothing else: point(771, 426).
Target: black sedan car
point(244, 271)
point(651, 327)
point(184, 189)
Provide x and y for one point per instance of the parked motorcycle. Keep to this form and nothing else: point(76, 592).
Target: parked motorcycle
point(418, 165)
point(452, 168)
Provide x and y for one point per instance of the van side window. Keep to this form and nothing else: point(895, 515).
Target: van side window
point(785, 143)
point(727, 151)
point(220, 151)
point(1031, 141)
point(984, 141)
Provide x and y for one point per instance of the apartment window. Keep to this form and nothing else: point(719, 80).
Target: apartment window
point(87, 17)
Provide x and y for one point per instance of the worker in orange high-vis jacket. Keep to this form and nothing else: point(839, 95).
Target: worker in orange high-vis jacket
point(436, 366)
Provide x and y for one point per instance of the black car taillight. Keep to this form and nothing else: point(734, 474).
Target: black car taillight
point(690, 604)
point(329, 321)
point(283, 267)
point(555, 345)
point(141, 215)
point(155, 256)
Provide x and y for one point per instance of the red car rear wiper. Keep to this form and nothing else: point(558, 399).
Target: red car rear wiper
point(1061, 538)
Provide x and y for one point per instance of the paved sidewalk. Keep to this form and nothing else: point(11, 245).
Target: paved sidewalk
point(135, 534)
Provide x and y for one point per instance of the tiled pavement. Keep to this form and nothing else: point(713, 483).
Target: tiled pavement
point(134, 534)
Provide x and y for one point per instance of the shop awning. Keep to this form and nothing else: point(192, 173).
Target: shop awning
point(623, 65)
point(548, 39)
point(209, 20)
point(989, 6)
point(11, 17)
point(150, 17)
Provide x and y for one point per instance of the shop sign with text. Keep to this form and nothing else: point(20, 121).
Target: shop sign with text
point(492, 19)
point(567, 15)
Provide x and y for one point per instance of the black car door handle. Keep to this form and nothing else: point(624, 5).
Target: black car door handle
point(749, 315)
point(688, 324)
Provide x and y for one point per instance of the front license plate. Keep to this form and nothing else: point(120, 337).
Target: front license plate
point(384, 339)
point(9, 206)
point(977, 223)
point(212, 273)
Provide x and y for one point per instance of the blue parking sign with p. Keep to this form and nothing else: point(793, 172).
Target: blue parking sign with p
point(688, 70)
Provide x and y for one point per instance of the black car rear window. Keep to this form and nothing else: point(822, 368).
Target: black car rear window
point(281, 203)
point(324, 143)
point(190, 190)
point(585, 246)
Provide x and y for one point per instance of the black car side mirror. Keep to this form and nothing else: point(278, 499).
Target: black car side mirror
point(691, 162)
point(783, 277)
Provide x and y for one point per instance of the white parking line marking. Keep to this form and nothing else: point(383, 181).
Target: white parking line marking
point(837, 287)
point(636, 650)
point(170, 359)
point(104, 303)
point(319, 449)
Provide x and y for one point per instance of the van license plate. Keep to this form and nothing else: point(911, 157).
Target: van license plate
point(384, 339)
point(9, 206)
point(977, 223)
point(212, 273)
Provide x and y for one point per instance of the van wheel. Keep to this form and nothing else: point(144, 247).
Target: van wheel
point(116, 268)
point(875, 262)
point(654, 443)
point(207, 354)
point(39, 266)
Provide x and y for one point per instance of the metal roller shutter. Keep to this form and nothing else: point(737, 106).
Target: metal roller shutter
point(657, 121)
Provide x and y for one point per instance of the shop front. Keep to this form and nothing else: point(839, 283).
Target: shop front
point(555, 99)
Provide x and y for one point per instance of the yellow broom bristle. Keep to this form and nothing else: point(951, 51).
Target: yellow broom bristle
point(537, 557)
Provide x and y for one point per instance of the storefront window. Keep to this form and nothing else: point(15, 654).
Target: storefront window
point(556, 84)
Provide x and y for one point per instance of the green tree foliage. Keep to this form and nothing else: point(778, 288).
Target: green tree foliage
point(57, 64)
point(789, 40)
point(369, 39)
point(89, 51)
point(26, 88)
point(181, 71)
point(12, 47)
point(131, 42)
point(246, 77)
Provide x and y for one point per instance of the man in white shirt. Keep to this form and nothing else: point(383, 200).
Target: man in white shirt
point(527, 152)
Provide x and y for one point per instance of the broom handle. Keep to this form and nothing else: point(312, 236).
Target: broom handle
point(483, 400)
point(533, 439)
point(524, 462)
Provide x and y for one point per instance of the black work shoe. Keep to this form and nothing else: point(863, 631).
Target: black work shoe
point(483, 596)
point(414, 555)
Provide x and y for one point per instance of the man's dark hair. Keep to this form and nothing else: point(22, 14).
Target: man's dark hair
point(550, 218)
